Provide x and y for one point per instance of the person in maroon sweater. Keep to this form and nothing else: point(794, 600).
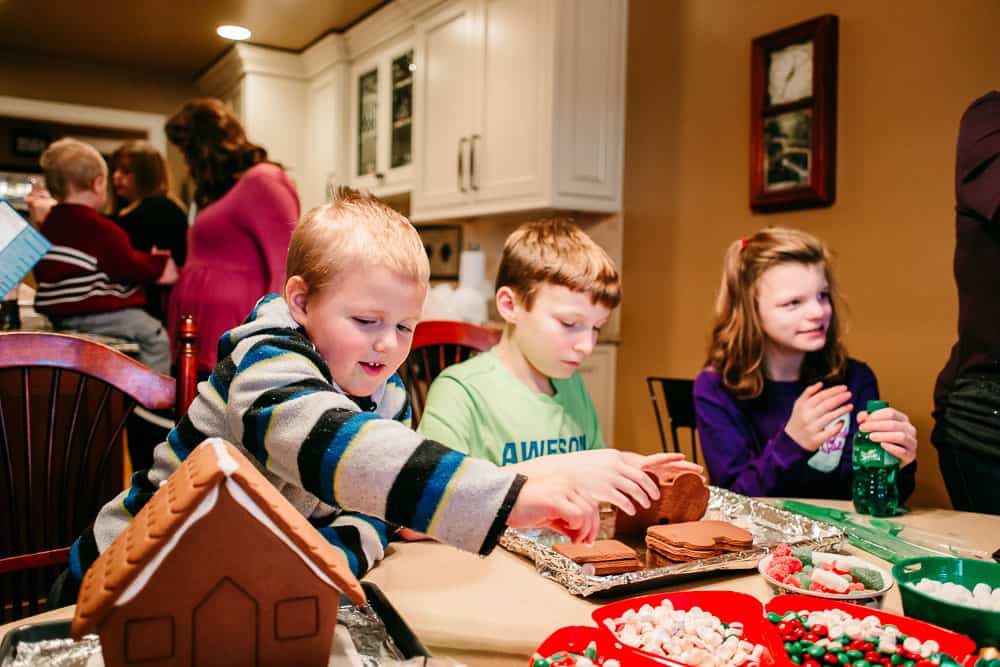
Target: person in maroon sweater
point(91, 280)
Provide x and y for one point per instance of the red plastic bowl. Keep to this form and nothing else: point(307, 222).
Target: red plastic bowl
point(728, 606)
point(959, 646)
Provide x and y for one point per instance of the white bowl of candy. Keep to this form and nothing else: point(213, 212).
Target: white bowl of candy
point(825, 575)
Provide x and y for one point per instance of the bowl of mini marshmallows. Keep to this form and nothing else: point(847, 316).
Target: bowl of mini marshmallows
point(958, 593)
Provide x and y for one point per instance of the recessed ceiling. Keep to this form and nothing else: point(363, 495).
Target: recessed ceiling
point(175, 37)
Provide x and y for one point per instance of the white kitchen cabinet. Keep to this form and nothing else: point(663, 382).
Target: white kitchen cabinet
point(519, 105)
point(381, 133)
point(598, 373)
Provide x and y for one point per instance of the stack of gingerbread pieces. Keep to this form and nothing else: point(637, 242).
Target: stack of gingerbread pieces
point(606, 556)
point(693, 540)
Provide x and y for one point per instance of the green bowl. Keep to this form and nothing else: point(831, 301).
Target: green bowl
point(983, 626)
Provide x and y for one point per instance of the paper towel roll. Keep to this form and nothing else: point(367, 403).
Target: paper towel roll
point(472, 269)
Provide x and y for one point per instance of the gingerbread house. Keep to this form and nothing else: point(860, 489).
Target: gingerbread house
point(217, 569)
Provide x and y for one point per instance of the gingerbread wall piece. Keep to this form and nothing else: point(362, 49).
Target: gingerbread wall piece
point(217, 568)
point(682, 498)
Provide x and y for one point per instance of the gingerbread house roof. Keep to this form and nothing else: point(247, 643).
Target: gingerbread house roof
point(119, 573)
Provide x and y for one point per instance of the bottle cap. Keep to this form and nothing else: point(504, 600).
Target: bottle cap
point(872, 406)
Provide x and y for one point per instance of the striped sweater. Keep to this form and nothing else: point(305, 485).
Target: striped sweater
point(92, 266)
point(348, 464)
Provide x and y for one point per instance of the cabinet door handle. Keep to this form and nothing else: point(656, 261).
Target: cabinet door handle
point(473, 181)
point(461, 165)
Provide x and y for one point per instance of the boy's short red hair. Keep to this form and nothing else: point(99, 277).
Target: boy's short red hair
point(558, 252)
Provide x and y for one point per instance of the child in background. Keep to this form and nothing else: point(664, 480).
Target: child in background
point(523, 404)
point(779, 402)
point(91, 280)
point(306, 387)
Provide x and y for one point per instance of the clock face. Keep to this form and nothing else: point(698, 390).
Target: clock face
point(790, 73)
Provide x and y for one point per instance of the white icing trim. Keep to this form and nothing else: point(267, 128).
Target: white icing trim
point(227, 464)
point(146, 574)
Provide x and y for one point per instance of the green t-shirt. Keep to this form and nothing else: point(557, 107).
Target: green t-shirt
point(480, 408)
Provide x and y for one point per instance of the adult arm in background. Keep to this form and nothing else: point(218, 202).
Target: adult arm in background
point(270, 209)
point(727, 442)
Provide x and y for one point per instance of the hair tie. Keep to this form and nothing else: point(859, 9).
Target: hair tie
point(743, 243)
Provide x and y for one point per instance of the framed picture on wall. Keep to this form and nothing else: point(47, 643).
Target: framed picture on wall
point(793, 116)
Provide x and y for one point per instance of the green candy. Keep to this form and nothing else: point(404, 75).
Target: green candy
point(843, 658)
point(861, 663)
point(908, 663)
point(845, 640)
point(797, 659)
point(591, 651)
point(792, 648)
point(541, 662)
point(804, 554)
point(774, 617)
point(855, 654)
point(816, 651)
point(896, 659)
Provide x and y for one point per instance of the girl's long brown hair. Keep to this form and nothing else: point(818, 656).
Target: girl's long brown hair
point(215, 146)
point(736, 350)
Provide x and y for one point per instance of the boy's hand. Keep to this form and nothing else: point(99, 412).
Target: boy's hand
point(811, 423)
point(170, 271)
point(602, 475)
point(893, 430)
point(552, 502)
point(39, 203)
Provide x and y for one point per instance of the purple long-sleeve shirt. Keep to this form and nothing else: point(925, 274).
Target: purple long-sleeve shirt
point(747, 450)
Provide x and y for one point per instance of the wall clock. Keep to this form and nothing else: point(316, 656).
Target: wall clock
point(793, 116)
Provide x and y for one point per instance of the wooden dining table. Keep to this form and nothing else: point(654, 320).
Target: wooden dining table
point(496, 610)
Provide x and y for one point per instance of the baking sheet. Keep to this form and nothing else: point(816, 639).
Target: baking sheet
point(769, 525)
point(367, 636)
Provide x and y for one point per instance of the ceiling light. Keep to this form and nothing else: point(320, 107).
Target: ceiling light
point(236, 32)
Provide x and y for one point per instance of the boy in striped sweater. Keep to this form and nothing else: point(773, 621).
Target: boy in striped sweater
point(91, 280)
point(306, 387)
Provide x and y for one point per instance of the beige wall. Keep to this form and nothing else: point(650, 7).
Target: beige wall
point(907, 71)
point(56, 80)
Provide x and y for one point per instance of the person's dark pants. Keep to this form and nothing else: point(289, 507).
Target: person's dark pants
point(972, 479)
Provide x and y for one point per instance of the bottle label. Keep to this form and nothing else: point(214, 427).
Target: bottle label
point(827, 457)
point(873, 456)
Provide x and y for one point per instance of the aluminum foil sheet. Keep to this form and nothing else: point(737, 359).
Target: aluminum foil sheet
point(769, 525)
point(361, 640)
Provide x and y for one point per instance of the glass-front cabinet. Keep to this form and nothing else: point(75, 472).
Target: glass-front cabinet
point(382, 121)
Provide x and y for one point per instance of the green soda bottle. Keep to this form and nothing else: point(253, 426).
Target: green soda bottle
point(875, 489)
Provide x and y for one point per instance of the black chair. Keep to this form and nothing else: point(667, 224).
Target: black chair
point(677, 397)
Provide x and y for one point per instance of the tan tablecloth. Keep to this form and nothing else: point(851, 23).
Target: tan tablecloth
point(497, 610)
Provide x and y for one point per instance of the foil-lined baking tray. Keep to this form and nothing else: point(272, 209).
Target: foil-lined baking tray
point(769, 525)
point(367, 636)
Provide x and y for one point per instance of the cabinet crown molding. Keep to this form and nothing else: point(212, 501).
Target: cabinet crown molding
point(243, 59)
point(385, 25)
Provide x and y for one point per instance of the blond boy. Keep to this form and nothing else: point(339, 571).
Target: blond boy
point(91, 280)
point(523, 403)
point(307, 388)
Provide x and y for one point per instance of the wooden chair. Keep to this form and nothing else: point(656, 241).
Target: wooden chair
point(436, 345)
point(64, 402)
point(678, 400)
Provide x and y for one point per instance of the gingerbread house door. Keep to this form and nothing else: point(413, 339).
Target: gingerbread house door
point(225, 627)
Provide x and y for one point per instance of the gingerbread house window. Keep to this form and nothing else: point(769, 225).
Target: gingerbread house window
point(149, 638)
point(296, 618)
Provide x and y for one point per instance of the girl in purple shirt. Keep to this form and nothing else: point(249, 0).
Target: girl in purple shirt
point(779, 402)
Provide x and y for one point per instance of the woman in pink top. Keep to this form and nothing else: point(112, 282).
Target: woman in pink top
point(239, 240)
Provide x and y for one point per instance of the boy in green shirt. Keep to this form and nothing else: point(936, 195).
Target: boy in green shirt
point(523, 403)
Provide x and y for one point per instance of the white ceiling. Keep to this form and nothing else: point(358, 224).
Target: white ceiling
point(176, 37)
